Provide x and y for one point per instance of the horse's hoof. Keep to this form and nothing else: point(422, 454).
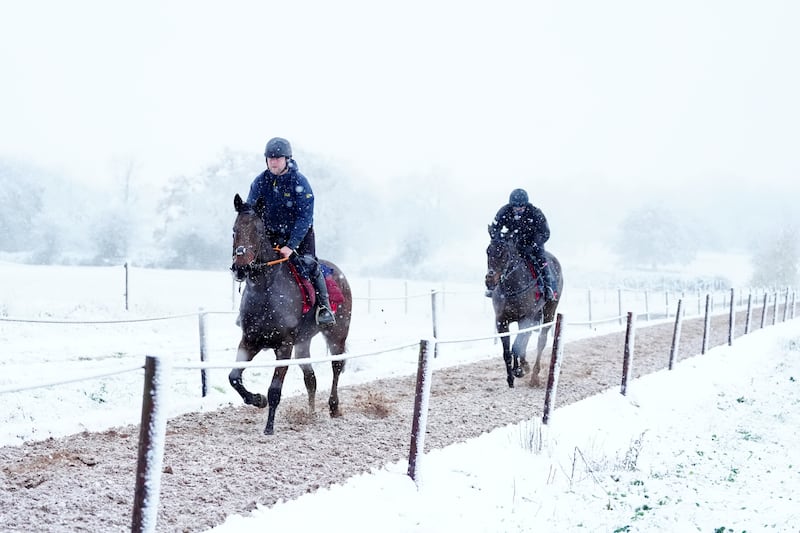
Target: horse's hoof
point(269, 431)
point(259, 400)
point(510, 382)
point(518, 372)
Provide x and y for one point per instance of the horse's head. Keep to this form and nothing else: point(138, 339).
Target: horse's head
point(248, 237)
point(498, 255)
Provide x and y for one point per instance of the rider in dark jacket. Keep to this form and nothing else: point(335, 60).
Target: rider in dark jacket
point(529, 227)
point(289, 216)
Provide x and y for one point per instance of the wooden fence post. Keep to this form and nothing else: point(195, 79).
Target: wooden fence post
point(628, 354)
point(201, 324)
point(555, 370)
point(589, 296)
point(775, 309)
point(706, 324)
point(731, 319)
point(127, 287)
point(435, 320)
point(676, 336)
point(420, 417)
point(749, 313)
point(152, 431)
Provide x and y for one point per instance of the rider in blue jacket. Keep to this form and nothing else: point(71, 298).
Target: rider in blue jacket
point(530, 230)
point(289, 216)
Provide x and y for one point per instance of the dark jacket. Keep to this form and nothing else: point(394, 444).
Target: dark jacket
point(289, 212)
point(528, 229)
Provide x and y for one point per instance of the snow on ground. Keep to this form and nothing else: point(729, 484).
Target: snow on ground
point(709, 446)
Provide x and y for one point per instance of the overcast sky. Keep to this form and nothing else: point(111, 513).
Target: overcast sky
point(501, 93)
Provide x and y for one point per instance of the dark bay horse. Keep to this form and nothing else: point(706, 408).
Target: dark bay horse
point(272, 315)
point(516, 298)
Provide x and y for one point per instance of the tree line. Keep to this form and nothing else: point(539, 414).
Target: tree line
point(421, 226)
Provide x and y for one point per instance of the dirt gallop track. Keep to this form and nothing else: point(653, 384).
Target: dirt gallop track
point(220, 463)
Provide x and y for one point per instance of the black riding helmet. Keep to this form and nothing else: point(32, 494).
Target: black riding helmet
point(518, 197)
point(278, 147)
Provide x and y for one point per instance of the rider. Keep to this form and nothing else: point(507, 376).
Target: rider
point(289, 216)
point(529, 226)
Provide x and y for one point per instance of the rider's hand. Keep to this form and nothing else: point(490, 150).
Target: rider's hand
point(286, 251)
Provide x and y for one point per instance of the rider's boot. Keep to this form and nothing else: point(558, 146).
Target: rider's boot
point(324, 315)
point(546, 283)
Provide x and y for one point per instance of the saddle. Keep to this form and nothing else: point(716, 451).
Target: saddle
point(532, 268)
point(335, 296)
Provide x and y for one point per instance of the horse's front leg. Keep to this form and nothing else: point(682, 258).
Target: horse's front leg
point(275, 388)
point(502, 327)
point(245, 353)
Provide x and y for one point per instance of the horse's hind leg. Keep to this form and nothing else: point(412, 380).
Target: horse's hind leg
point(245, 353)
point(303, 351)
point(539, 350)
point(336, 344)
point(502, 327)
point(520, 348)
point(333, 401)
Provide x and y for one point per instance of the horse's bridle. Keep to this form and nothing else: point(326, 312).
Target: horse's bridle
point(252, 266)
point(511, 266)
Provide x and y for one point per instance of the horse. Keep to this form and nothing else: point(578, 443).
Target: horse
point(275, 313)
point(515, 298)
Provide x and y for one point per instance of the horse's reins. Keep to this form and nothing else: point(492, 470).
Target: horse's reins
point(276, 261)
point(516, 265)
point(253, 264)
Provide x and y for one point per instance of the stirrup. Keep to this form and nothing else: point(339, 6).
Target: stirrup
point(549, 294)
point(324, 317)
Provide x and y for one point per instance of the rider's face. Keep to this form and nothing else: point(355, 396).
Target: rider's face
point(276, 165)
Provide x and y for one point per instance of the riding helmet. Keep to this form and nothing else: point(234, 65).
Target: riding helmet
point(278, 147)
point(518, 197)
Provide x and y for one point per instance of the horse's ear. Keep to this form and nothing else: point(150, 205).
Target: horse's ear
point(237, 202)
point(260, 205)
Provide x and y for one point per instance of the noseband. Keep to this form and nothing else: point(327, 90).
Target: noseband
point(252, 266)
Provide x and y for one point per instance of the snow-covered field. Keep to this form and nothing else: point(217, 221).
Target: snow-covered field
point(706, 446)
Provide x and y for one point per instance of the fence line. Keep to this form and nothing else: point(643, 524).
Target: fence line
point(204, 365)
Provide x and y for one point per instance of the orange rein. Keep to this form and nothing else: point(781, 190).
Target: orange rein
point(276, 261)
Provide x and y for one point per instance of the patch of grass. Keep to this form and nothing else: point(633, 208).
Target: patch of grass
point(746, 435)
point(99, 395)
point(531, 436)
point(632, 454)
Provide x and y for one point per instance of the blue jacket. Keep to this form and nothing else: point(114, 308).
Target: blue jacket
point(289, 202)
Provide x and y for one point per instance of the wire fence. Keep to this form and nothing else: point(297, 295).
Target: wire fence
point(638, 302)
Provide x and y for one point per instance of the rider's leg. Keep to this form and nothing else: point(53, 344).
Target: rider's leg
point(543, 273)
point(324, 315)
